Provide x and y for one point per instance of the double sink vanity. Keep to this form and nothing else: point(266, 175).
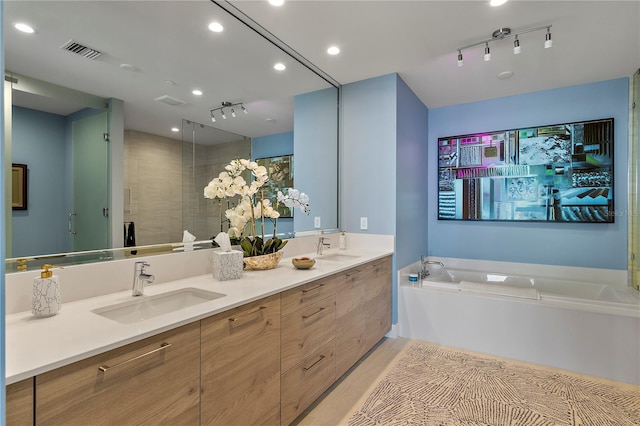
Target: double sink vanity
point(258, 350)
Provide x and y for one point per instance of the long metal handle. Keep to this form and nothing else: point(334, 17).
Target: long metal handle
point(239, 317)
point(105, 368)
point(315, 313)
point(313, 288)
point(314, 364)
point(71, 231)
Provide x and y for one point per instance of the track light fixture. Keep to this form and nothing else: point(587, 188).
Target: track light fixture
point(547, 39)
point(516, 46)
point(230, 106)
point(501, 33)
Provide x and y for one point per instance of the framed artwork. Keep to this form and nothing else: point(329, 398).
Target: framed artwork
point(553, 173)
point(280, 171)
point(19, 186)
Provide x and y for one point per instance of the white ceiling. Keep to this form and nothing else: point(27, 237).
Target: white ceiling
point(592, 41)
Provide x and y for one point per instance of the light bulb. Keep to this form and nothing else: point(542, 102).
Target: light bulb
point(233, 113)
point(460, 60)
point(224, 116)
point(487, 53)
point(213, 117)
point(244, 109)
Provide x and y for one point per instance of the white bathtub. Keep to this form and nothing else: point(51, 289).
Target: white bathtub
point(589, 328)
point(598, 297)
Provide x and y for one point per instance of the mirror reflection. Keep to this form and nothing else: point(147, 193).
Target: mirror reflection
point(124, 102)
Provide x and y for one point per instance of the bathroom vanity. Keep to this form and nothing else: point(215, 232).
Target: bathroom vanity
point(261, 354)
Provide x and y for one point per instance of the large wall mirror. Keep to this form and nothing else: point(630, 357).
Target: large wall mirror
point(106, 114)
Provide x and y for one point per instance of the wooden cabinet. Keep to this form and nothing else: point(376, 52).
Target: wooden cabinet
point(153, 381)
point(350, 318)
point(378, 300)
point(241, 365)
point(306, 294)
point(308, 345)
point(306, 381)
point(19, 408)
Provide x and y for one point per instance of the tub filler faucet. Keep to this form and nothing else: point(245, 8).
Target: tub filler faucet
point(140, 277)
point(424, 272)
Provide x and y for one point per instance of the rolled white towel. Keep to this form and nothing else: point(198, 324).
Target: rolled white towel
point(500, 289)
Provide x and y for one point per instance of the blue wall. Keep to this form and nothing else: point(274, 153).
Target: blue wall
point(571, 244)
point(274, 146)
point(39, 142)
point(368, 155)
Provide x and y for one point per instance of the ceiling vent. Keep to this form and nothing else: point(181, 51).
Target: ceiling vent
point(166, 99)
point(80, 49)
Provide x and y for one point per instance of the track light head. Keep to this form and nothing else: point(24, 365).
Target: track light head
point(460, 60)
point(233, 113)
point(487, 53)
point(547, 39)
point(224, 116)
point(244, 109)
point(516, 46)
point(213, 117)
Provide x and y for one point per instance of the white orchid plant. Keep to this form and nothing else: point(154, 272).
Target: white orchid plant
point(230, 183)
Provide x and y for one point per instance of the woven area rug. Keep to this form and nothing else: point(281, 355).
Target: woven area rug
point(435, 385)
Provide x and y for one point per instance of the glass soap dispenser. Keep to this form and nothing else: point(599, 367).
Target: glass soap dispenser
point(46, 293)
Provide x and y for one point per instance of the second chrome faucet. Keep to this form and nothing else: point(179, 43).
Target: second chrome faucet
point(140, 277)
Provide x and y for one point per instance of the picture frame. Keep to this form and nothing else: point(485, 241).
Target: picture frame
point(19, 186)
point(280, 172)
point(552, 173)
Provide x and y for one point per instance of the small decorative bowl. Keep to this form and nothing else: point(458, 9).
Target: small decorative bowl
point(303, 262)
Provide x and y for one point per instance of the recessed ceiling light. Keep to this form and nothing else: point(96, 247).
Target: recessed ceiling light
point(279, 66)
point(197, 92)
point(505, 74)
point(270, 120)
point(175, 129)
point(216, 27)
point(170, 82)
point(128, 67)
point(333, 50)
point(276, 2)
point(497, 2)
point(24, 28)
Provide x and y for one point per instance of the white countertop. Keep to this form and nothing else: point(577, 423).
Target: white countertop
point(36, 345)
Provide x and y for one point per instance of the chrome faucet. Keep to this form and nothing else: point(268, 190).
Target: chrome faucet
point(321, 244)
point(140, 277)
point(424, 272)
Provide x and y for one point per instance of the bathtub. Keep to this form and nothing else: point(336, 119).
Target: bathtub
point(586, 327)
point(598, 297)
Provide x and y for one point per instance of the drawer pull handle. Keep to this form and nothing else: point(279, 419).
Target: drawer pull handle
point(314, 364)
point(162, 347)
point(239, 317)
point(312, 288)
point(315, 313)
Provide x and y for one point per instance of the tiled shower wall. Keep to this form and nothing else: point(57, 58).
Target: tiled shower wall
point(164, 182)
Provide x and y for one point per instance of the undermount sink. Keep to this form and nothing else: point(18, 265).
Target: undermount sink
point(337, 256)
point(145, 307)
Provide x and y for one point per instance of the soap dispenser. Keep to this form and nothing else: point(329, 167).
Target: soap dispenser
point(46, 293)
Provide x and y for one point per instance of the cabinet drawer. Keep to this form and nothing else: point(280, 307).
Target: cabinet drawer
point(306, 381)
point(153, 381)
point(241, 365)
point(20, 403)
point(304, 331)
point(306, 294)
